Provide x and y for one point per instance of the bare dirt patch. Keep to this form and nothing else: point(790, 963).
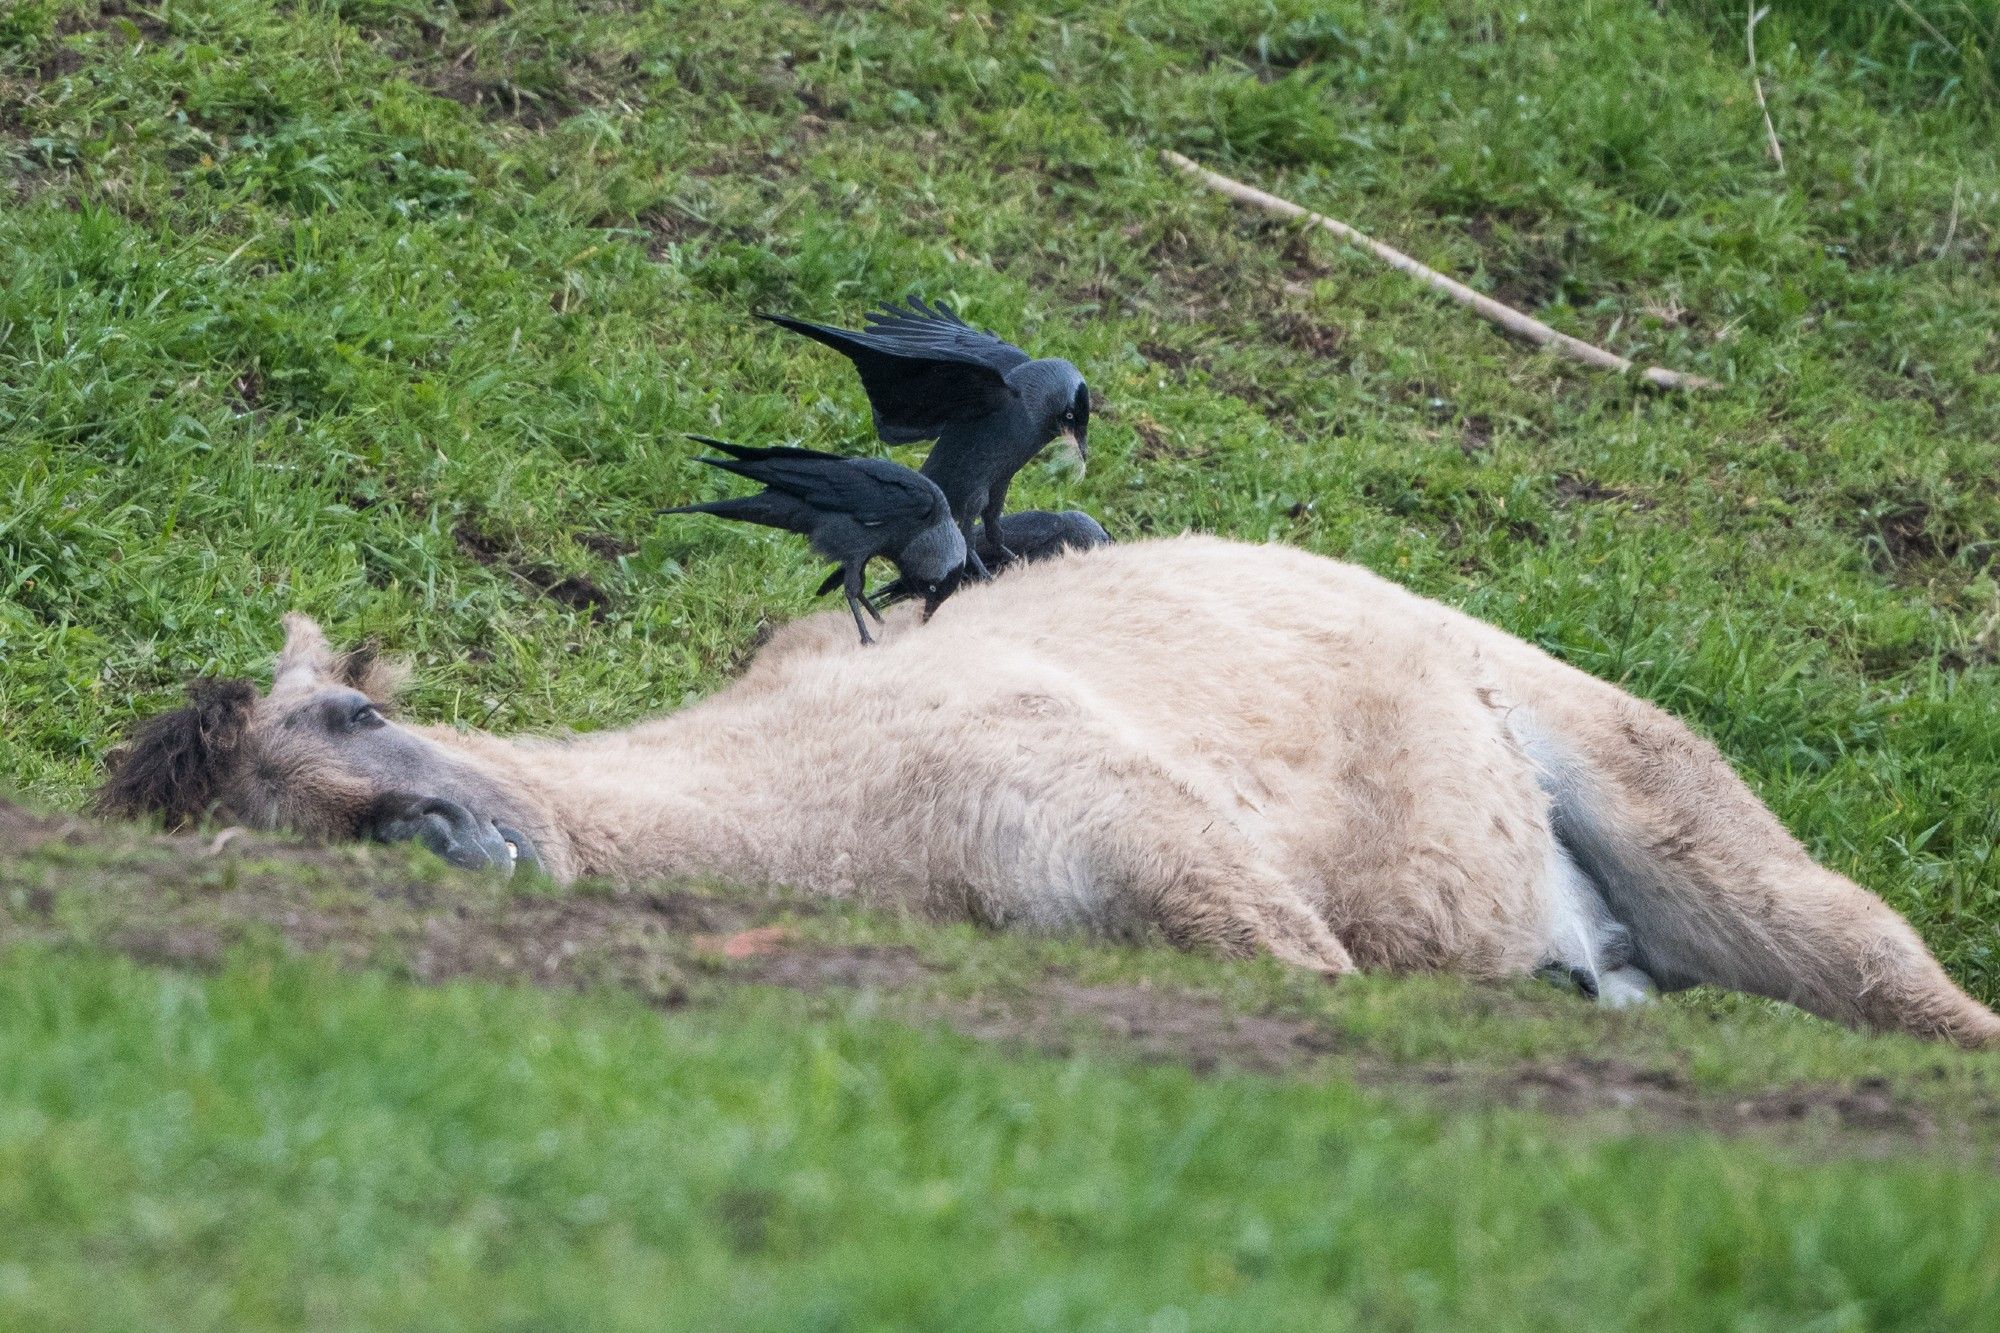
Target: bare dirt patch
point(1573, 488)
point(606, 545)
point(674, 225)
point(571, 590)
point(1907, 537)
point(1475, 435)
point(1304, 333)
point(1168, 1027)
point(1173, 358)
point(1903, 536)
point(1151, 1024)
point(1525, 267)
point(495, 97)
point(814, 967)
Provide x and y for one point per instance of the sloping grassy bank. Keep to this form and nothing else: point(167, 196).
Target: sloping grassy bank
point(397, 312)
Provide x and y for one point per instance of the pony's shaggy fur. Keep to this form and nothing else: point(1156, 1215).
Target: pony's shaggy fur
point(173, 767)
point(1245, 748)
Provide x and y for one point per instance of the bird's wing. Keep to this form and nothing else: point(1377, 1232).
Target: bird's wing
point(922, 366)
point(871, 491)
point(898, 493)
point(935, 329)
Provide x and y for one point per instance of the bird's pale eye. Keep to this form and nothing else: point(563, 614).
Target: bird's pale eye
point(1070, 415)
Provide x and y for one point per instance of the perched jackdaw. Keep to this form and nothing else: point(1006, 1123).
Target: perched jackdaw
point(1037, 534)
point(851, 510)
point(930, 375)
point(1030, 534)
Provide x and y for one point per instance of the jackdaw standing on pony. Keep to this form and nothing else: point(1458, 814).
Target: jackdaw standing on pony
point(1028, 535)
point(851, 510)
point(991, 408)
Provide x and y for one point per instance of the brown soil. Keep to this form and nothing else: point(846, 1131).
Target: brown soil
point(571, 590)
point(605, 545)
point(1475, 435)
point(1306, 334)
point(494, 96)
point(1570, 488)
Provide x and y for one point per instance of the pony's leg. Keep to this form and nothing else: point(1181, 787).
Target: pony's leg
point(1058, 826)
point(1240, 916)
point(1185, 868)
point(1715, 890)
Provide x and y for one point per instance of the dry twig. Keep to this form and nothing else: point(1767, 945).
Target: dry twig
point(1928, 27)
point(1757, 84)
point(1508, 318)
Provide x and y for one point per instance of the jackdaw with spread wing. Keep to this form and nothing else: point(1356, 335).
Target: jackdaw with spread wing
point(1030, 535)
point(851, 510)
point(989, 406)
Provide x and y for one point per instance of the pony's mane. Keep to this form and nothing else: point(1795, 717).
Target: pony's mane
point(174, 766)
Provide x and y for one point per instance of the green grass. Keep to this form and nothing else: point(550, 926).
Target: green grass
point(278, 1145)
point(396, 312)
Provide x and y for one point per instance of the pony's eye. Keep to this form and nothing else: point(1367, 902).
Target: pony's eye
point(364, 717)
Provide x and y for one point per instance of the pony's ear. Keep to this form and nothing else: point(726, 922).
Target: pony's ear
point(176, 764)
point(380, 678)
point(305, 648)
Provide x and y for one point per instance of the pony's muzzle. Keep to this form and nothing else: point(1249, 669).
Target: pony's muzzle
point(451, 831)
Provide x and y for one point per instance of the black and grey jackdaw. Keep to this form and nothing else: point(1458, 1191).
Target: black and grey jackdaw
point(1030, 534)
point(930, 375)
point(1036, 534)
point(851, 510)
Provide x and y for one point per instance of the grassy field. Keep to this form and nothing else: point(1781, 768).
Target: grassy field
point(397, 312)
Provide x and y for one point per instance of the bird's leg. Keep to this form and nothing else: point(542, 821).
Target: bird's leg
point(869, 605)
point(972, 560)
point(991, 520)
point(851, 578)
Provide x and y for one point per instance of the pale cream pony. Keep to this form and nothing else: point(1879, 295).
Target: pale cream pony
point(1243, 748)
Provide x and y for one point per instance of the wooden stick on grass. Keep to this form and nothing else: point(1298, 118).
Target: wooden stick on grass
point(1508, 318)
point(1757, 85)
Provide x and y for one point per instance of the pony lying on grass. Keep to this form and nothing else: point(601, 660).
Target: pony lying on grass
point(1247, 748)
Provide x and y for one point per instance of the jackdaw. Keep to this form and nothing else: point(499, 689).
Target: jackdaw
point(930, 375)
point(851, 510)
point(1030, 534)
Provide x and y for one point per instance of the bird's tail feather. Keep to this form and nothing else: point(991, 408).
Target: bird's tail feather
point(772, 511)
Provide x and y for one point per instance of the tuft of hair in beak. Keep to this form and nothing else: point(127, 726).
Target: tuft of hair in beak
point(1079, 454)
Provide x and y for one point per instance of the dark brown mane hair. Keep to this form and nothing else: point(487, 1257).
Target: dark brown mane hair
point(174, 766)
